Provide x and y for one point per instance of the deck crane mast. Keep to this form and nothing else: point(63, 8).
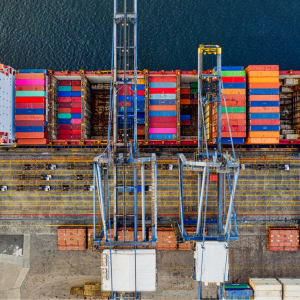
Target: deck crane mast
point(211, 251)
point(121, 153)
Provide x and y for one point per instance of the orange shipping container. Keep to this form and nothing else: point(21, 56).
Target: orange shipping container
point(262, 68)
point(263, 98)
point(76, 88)
point(31, 76)
point(227, 134)
point(235, 97)
point(162, 107)
point(263, 134)
point(64, 110)
point(185, 101)
point(185, 91)
point(263, 79)
point(261, 85)
point(233, 92)
point(263, 74)
point(264, 110)
point(229, 103)
point(233, 116)
point(30, 118)
point(30, 135)
point(32, 141)
point(262, 141)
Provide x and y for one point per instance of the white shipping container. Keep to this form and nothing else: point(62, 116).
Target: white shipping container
point(7, 105)
point(265, 284)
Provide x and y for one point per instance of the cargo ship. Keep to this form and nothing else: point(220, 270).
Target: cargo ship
point(71, 108)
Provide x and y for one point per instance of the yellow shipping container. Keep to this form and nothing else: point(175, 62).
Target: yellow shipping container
point(140, 81)
point(263, 73)
point(263, 79)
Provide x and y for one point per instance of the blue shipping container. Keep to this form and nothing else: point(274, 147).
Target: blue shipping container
point(263, 104)
point(162, 136)
point(76, 94)
point(263, 128)
point(263, 92)
point(239, 292)
point(194, 96)
point(128, 98)
point(30, 129)
point(64, 121)
point(27, 111)
point(65, 94)
point(33, 71)
point(185, 117)
point(230, 69)
point(238, 85)
point(131, 109)
point(162, 113)
point(228, 140)
point(265, 116)
point(162, 96)
point(140, 87)
point(163, 102)
point(159, 85)
point(76, 116)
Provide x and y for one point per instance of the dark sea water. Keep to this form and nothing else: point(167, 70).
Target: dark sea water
point(77, 34)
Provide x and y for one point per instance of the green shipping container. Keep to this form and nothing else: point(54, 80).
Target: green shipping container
point(64, 88)
point(30, 94)
point(232, 110)
point(233, 73)
point(237, 286)
point(194, 91)
point(194, 85)
point(64, 116)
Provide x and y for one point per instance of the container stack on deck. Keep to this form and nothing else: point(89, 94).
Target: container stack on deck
point(283, 239)
point(263, 104)
point(71, 238)
point(290, 288)
point(238, 291)
point(69, 110)
point(141, 108)
point(234, 91)
point(31, 109)
point(266, 288)
point(162, 108)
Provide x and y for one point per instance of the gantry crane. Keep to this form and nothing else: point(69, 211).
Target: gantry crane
point(121, 154)
point(227, 167)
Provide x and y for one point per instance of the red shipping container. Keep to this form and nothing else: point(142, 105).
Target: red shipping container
point(213, 177)
point(76, 82)
point(162, 125)
point(32, 141)
point(140, 92)
point(64, 110)
point(194, 101)
point(76, 88)
point(162, 119)
point(64, 105)
point(30, 123)
point(62, 132)
point(262, 68)
point(162, 91)
point(30, 117)
point(76, 99)
point(64, 99)
point(185, 96)
point(229, 103)
point(122, 103)
point(129, 91)
point(231, 122)
point(75, 137)
point(30, 99)
point(64, 82)
point(29, 105)
point(64, 127)
point(76, 104)
point(31, 76)
point(76, 110)
point(76, 132)
point(185, 122)
point(30, 135)
point(239, 79)
point(76, 126)
point(185, 91)
point(64, 136)
point(233, 128)
point(235, 98)
point(162, 79)
point(162, 107)
point(30, 88)
point(227, 134)
point(233, 116)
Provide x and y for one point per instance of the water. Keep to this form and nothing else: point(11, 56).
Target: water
point(77, 34)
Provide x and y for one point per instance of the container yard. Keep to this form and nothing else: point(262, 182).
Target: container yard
point(147, 184)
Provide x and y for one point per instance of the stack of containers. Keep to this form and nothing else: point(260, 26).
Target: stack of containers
point(234, 84)
point(185, 120)
point(162, 108)
point(266, 288)
point(238, 291)
point(130, 105)
point(263, 104)
point(283, 239)
point(291, 288)
point(194, 92)
point(31, 109)
point(185, 94)
point(69, 110)
point(71, 238)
